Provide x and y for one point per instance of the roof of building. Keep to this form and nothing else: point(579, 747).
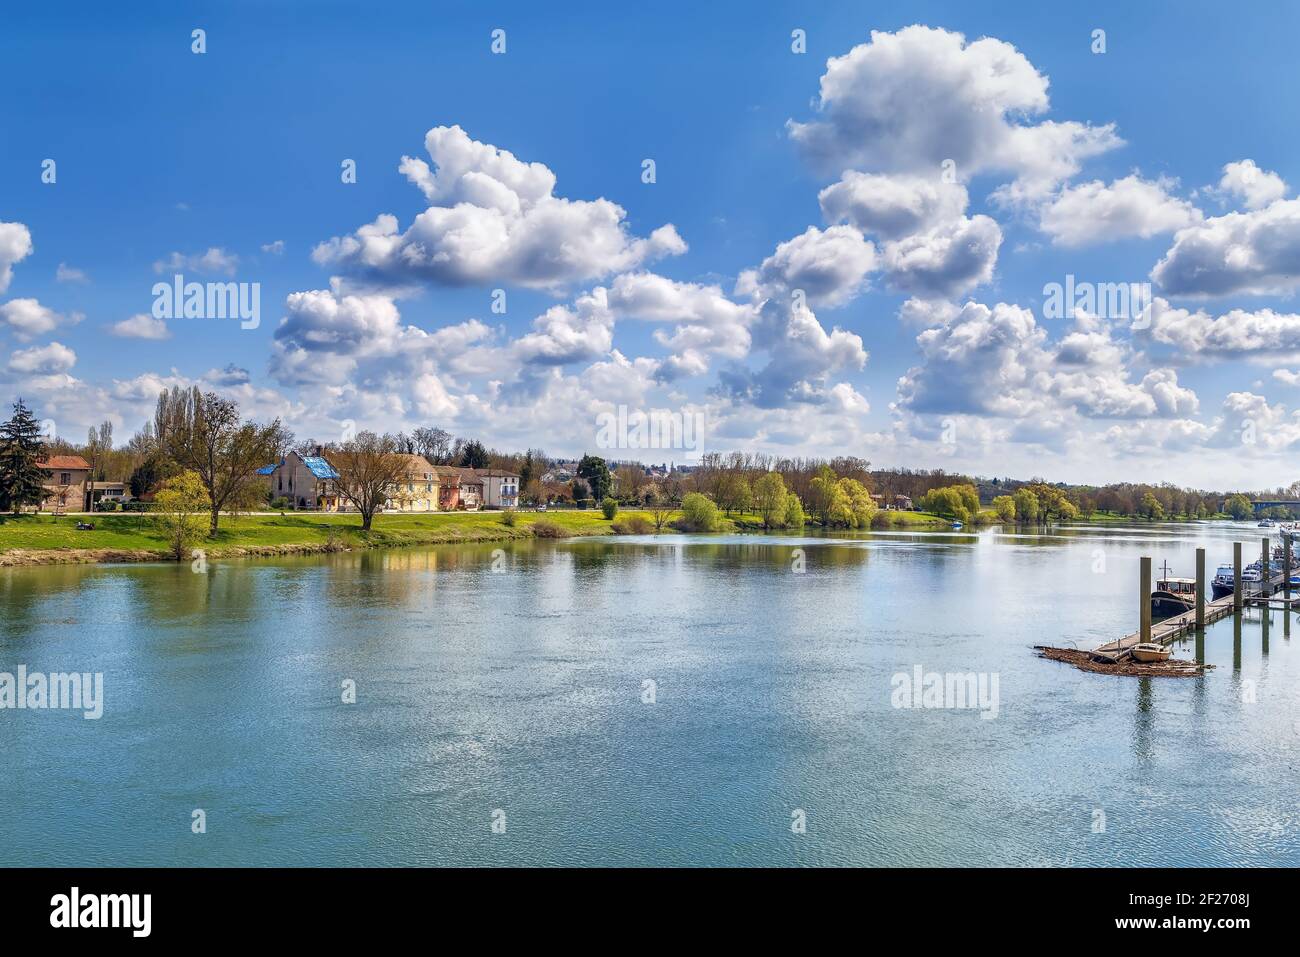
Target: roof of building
point(319, 467)
point(416, 464)
point(268, 469)
point(64, 462)
point(496, 473)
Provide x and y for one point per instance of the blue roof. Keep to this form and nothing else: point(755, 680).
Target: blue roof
point(319, 467)
point(267, 469)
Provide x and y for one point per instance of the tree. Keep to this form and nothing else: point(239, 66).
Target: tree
point(473, 455)
point(770, 499)
point(368, 467)
point(181, 503)
point(821, 494)
point(1026, 505)
point(659, 503)
point(1150, 507)
point(593, 469)
point(1238, 506)
point(699, 513)
point(861, 506)
point(794, 515)
point(434, 444)
point(202, 432)
point(98, 444)
point(609, 507)
point(22, 481)
point(1005, 506)
point(146, 476)
point(580, 491)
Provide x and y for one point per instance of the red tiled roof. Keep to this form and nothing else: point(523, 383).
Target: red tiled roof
point(65, 462)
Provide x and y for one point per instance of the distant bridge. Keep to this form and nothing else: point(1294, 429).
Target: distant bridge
point(1260, 505)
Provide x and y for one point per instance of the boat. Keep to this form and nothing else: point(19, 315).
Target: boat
point(1149, 652)
point(1221, 584)
point(956, 526)
point(1173, 596)
point(1267, 523)
point(1251, 574)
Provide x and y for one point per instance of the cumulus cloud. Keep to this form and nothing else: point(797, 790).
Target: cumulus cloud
point(998, 362)
point(140, 326)
point(495, 220)
point(945, 261)
point(51, 359)
point(213, 261)
point(66, 273)
point(1255, 187)
point(892, 206)
point(906, 102)
point(1130, 207)
point(30, 319)
point(1256, 252)
point(15, 245)
point(1238, 333)
point(829, 266)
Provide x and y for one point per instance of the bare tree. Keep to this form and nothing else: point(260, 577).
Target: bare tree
point(202, 432)
point(368, 466)
point(434, 444)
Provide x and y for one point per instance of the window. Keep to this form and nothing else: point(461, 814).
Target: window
point(65, 478)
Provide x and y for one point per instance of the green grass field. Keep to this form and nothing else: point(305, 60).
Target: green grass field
point(134, 532)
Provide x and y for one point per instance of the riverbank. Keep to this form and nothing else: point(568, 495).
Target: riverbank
point(118, 537)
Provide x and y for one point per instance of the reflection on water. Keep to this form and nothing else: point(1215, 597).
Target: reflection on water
point(513, 676)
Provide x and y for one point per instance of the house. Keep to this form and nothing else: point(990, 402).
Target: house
point(417, 488)
point(66, 488)
point(307, 481)
point(903, 503)
point(500, 489)
point(459, 488)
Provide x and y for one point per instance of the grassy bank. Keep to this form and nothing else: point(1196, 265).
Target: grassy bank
point(118, 537)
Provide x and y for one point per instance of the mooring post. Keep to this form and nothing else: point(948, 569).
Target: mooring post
point(1145, 587)
point(1200, 589)
point(1265, 569)
point(1286, 567)
point(1236, 578)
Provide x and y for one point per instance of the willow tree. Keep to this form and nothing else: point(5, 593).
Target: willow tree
point(202, 432)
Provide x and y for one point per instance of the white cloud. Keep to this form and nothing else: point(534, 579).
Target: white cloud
point(45, 360)
point(892, 206)
point(1238, 333)
point(275, 248)
point(908, 101)
point(31, 319)
point(830, 266)
point(213, 261)
point(15, 245)
point(1256, 252)
point(945, 261)
point(140, 326)
point(1129, 207)
point(1256, 187)
point(494, 221)
point(66, 273)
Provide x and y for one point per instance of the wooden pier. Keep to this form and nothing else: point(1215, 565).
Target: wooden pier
point(1205, 613)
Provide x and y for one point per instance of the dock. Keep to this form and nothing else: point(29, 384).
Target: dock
point(1263, 595)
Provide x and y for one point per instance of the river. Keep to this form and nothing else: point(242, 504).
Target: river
point(671, 700)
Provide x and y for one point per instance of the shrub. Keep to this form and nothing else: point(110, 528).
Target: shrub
point(547, 529)
point(106, 505)
point(633, 525)
point(882, 519)
point(610, 508)
point(138, 506)
point(699, 513)
point(509, 518)
point(280, 504)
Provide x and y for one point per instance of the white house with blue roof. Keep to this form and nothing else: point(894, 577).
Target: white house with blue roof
point(307, 481)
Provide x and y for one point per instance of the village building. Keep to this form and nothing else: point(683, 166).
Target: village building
point(500, 489)
point(417, 488)
point(307, 481)
point(66, 488)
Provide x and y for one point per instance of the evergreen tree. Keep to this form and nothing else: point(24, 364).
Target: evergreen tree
point(22, 481)
point(596, 472)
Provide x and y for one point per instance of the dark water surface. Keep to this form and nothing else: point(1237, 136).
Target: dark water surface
point(520, 690)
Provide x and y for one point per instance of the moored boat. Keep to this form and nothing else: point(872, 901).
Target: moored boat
point(1173, 596)
point(1221, 585)
point(1150, 652)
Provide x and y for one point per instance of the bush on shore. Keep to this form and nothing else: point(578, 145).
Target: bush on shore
point(633, 525)
point(547, 529)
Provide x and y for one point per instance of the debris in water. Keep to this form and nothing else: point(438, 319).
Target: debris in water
point(1087, 661)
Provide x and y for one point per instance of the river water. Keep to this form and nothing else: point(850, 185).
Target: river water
point(661, 700)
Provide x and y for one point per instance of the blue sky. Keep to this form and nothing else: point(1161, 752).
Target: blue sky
point(160, 151)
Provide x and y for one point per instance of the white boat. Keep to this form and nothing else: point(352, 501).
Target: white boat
point(1149, 652)
point(1221, 584)
point(956, 526)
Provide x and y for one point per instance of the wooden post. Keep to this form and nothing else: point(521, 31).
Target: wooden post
point(1265, 569)
point(1286, 567)
point(1236, 578)
point(1145, 587)
point(1200, 589)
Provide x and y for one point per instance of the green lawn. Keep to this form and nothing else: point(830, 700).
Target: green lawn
point(134, 532)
